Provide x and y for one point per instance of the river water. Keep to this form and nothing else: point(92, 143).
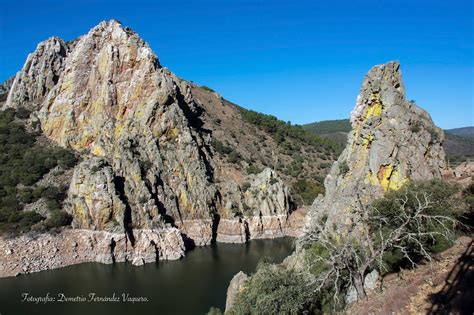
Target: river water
point(188, 286)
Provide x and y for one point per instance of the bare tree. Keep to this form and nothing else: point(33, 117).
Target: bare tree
point(339, 261)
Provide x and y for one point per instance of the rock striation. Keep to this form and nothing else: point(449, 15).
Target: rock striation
point(32, 253)
point(392, 142)
point(147, 163)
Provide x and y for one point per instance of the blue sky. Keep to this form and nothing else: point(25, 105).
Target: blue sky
point(302, 61)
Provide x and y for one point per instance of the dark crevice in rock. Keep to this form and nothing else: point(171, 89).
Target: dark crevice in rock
point(157, 253)
point(112, 249)
point(215, 224)
point(247, 231)
point(119, 183)
point(189, 243)
point(196, 123)
point(153, 193)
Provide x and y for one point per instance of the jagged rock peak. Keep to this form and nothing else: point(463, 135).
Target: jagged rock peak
point(113, 30)
point(392, 142)
point(383, 80)
point(107, 45)
point(39, 73)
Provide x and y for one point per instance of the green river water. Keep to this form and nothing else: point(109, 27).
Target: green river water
point(188, 286)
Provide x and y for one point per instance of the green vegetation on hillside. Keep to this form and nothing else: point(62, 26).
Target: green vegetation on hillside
point(464, 132)
point(308, 190)
point(281, 130)
point(459, 148)
point(329, 126)
point(23, 163)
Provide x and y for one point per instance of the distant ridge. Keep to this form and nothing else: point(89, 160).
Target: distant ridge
point(328, 126)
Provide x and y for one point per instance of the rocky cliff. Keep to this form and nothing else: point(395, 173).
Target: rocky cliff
point(392, 142)
point(147, 160)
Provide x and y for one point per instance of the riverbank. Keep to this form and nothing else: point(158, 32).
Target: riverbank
point(30, 253)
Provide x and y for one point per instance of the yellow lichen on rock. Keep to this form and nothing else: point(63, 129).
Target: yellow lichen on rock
point(375, 107)
point(118, 130)
point(97, 150)
point(390, 177)
point(367, 141)
point(397, 180)
point(174, 132)
point(372, 179)
point(66, 86)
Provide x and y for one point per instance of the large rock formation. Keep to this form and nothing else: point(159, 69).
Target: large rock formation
point(147, 162)
point(392, 142)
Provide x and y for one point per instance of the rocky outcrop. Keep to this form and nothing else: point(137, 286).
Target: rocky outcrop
point(392, 142)
point(31, 253)
point(258, 210)
point(93, 198)
point(39, 74)
point(236, 285)
point(147, 161)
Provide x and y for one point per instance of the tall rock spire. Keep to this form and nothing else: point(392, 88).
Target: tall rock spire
point(392, 142)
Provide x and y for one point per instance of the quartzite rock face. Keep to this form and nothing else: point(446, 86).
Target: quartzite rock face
point(147, 162)
point(392, 142)
point(236, 286)
point(39, 74)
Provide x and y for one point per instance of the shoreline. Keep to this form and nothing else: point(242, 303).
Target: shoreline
point(30, 253)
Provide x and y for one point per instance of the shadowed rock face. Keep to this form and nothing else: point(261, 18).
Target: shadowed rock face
point(147, 162)
point(392, 142)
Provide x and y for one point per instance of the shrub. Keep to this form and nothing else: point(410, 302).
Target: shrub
point(220, 147)
point(207, 88)
point(214, 311)
point(58, 218)
point(252, 169)
point(343, 168)
point(415, 126)
point(440, 200)
point(397, 230)
point(234, 157)
point(245, 186)
point(273, 290)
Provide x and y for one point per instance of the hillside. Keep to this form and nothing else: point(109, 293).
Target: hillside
point(246, 142)
point(329, 126)
point(465, 132)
